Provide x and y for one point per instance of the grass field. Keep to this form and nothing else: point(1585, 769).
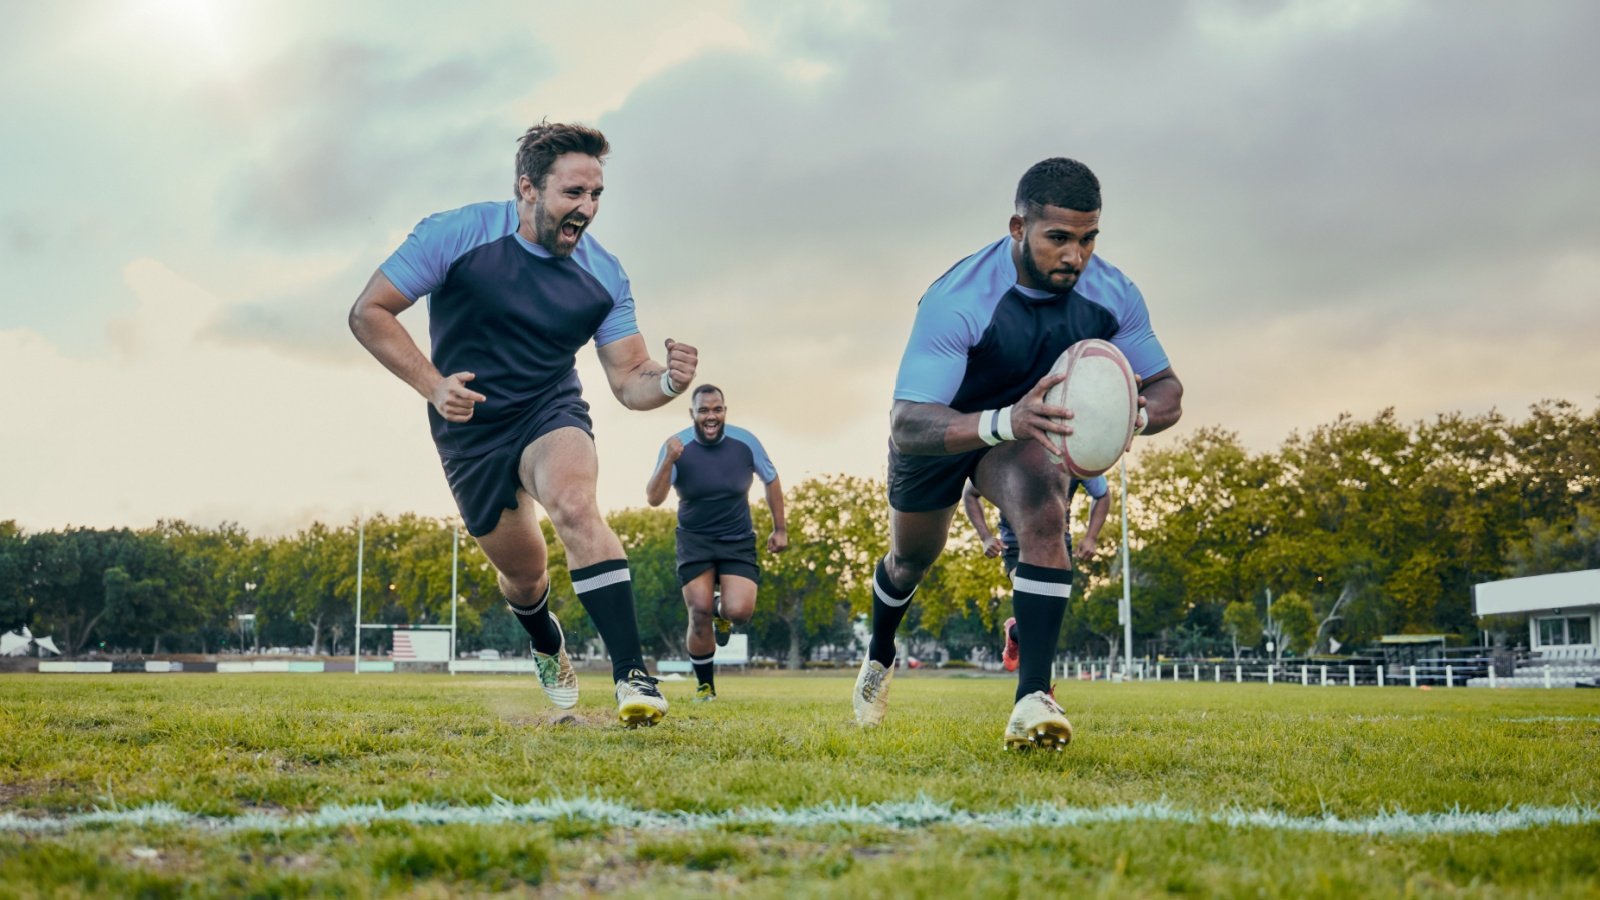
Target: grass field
point(272, 785)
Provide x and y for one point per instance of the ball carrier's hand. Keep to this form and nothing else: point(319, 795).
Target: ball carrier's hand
point(1033, 419)
point(682, 360)
point(453, 399)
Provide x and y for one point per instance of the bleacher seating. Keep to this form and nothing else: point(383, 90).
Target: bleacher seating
point(1564, 666)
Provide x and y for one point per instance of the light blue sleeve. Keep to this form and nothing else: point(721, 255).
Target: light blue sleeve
point(1134, 337)
point(418, 266)
point(621, 321)
point(765, 470)
point(1096, 486)
point(935, 360)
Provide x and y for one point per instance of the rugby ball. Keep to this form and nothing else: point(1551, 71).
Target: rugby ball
point(1103, 395)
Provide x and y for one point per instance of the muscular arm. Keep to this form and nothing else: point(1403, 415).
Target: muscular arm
point(1162, 394)
point(1097, 518)
point(780, 525)
point(375, 323)
point(655, 490)
point(1090, 542)
point(972, 505)
point(635, 378)
point(933, 429)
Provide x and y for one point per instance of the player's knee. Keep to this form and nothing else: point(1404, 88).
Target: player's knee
point(523, 588)
point(1041, 520)
point(700, 620)
point(906, 570)
point(572, 510)
point(738, 610)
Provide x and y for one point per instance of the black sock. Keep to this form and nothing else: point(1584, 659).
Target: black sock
point(606, 590)
point(539, 623)
point(705, 671)
point(1039, 596)
point(889, 606)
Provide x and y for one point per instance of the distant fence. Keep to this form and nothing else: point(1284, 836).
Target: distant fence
point(1469, 672)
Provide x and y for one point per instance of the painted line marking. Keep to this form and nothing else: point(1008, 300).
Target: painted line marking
point(920, 813)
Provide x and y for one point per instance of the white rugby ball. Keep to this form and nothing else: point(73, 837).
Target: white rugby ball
point(1103, 394)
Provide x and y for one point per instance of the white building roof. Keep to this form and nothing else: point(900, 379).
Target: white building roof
point(1538, 593)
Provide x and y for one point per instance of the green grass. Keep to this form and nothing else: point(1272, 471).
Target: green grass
point(229, 745)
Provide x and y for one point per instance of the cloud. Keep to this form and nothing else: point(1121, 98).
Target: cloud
point(1330, 206)
point(344, 134)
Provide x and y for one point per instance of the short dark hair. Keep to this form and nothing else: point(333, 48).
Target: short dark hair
point(705, 389)
point(1058, 181)
point(540, 145)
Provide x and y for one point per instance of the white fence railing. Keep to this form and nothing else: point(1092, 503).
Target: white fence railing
point(1471, 673)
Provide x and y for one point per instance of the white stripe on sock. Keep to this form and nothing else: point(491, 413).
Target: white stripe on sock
point(1042, 588)
point(888, 600)
point(604, 579)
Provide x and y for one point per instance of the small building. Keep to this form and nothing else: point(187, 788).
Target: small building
point(1563, 610)
point(1401, 650)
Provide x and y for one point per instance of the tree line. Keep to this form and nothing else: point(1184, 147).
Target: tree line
point(1357, 528)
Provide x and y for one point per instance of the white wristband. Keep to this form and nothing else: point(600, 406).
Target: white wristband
point(666, 384)
point(994, 426)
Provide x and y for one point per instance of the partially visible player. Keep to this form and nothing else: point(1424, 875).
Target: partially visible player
point(1004, 544)
point(969, 404)
point(516, 287)
point(712, 465)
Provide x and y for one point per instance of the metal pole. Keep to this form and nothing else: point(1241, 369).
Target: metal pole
point(361, 547)
point(455, 548)
point(1127, 577)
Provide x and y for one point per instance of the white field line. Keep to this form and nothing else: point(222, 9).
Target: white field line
point(920, 813)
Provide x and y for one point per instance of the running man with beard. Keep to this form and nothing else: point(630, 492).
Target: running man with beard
point(969, 404)
point(712, 464)
point(1004, 543)
point(516, 288)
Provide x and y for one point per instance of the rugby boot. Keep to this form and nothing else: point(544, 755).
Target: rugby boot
point(556, 676)
point(1037, 721)
point(639, 701)
point(871, 696)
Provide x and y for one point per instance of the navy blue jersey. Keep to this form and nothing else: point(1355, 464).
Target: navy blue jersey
point(1096, 487)
point(713, 481)
point(508, 311)
point(982, 341)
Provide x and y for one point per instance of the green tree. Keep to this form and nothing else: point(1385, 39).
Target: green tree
point(1297, 622)
point(14, 606)
point(1242, 624)
point(838, 530)
point(1565, 545)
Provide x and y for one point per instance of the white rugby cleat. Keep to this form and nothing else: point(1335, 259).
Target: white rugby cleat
point(639, 701)
point(871, 697)
point(1037, 721)
point(556, 676)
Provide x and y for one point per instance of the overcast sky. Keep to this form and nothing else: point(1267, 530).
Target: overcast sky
point(1329, 206)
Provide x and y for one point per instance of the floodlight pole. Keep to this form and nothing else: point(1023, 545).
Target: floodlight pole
point(361, 546)
point(455, 553)
point(1126, 612)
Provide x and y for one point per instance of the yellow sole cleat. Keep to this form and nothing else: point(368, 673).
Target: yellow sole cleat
point(1037, 723)
point(640, 715)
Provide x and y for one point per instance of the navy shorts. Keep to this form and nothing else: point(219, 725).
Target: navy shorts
point(928, 483)
point(728, 556)
point(487, 484)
